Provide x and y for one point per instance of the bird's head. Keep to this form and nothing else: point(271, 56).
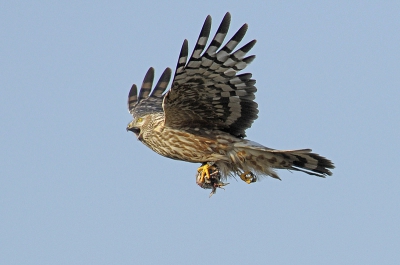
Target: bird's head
point(135, 126)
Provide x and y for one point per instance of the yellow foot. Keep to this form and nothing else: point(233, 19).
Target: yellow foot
point(248, 177)
point(209, 177)
point(204, 172)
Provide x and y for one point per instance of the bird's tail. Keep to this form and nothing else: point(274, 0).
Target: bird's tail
point(262, 160)
point(302, 160)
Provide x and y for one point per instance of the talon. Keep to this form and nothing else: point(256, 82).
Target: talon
point(205, 172)
point(209, 177)
point(248, 177)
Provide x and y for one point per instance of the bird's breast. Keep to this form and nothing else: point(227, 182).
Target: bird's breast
point(186, 146)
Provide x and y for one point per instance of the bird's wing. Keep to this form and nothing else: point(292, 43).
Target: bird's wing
point(206, 92)
point(146, 102)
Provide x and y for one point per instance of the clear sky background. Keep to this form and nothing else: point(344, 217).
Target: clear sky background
point(76, 188)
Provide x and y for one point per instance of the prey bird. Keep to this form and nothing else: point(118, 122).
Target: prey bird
point(203, 117)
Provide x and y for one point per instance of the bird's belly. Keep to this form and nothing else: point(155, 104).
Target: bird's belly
point(186, 146)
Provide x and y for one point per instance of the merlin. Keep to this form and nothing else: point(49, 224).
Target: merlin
point(203, 117)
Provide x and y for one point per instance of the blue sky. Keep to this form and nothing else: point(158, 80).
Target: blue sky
point(76, 188)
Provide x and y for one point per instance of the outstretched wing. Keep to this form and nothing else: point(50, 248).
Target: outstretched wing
point(146, 103)
point(206, 92)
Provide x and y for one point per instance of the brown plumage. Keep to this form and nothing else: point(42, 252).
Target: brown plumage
point(203, 117)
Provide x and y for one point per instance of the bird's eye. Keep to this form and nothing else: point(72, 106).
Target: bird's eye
point(140, 120)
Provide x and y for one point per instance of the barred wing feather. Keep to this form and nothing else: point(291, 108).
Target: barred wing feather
point(146, 102)
point(206, 92)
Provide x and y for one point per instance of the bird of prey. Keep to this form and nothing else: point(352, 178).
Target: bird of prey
point(203, 117)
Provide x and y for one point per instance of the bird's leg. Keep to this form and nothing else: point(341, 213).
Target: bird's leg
point(248, 177)
point(209, 177)
point(204, 171)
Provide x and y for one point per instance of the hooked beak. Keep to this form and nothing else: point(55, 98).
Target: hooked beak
point(131, 127)
point(135, 130)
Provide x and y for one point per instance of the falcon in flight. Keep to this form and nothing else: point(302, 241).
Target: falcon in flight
point(203, 117)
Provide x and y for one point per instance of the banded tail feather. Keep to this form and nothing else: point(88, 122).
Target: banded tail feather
point(305, 161)
point(262, 160)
